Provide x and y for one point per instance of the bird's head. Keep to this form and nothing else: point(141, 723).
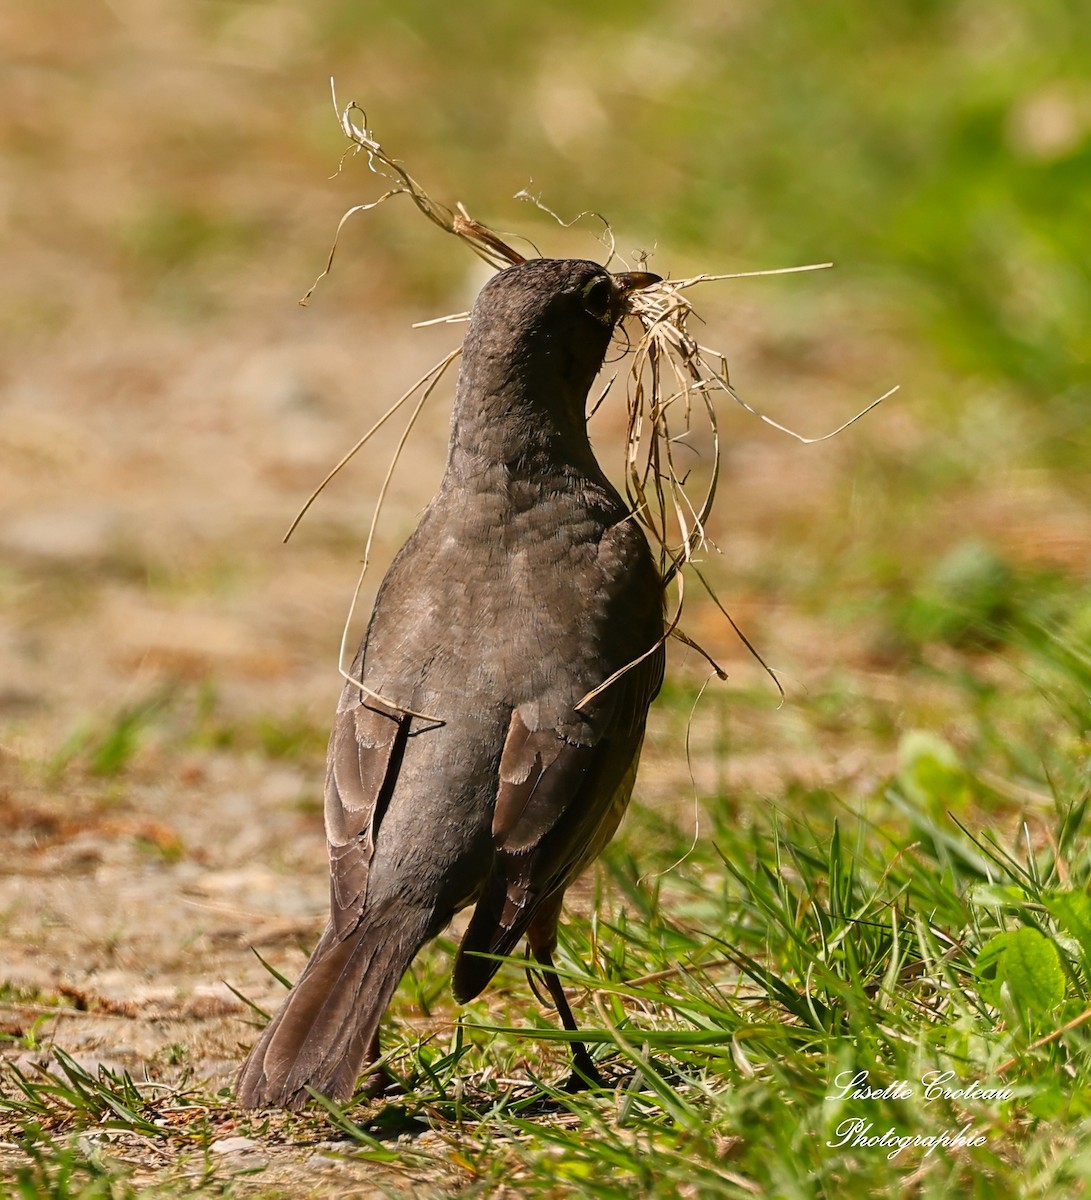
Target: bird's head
point(538, 336)
point(553, 316)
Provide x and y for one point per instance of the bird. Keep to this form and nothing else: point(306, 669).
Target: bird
point(476, 757)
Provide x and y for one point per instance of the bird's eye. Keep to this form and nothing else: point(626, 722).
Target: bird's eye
point(597, 296)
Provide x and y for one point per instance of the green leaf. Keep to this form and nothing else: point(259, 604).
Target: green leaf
point(1029, 963)
point(930, 772)
point(1032, 965)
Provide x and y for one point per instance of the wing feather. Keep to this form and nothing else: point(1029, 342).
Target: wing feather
point(366, 749)
point(558, 803)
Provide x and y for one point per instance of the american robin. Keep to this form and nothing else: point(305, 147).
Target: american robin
point(468, 763)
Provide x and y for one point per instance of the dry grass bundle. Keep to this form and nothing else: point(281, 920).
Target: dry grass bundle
point(670, 384)
point(671, 371)
point(672, 378)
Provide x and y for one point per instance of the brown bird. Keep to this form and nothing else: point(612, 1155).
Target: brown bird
point(468, 765)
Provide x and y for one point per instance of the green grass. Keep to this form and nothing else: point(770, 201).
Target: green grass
point(935, 929)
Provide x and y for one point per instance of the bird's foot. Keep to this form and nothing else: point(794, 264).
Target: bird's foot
point(378, 1083)
point(585, 1075)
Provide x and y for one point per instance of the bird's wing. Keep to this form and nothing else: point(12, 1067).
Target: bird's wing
point(366, 749)
point(558, 804)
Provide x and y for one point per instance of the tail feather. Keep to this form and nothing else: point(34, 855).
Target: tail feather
point(325, 1034)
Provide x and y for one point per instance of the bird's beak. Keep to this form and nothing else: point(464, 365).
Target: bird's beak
point(633, 281)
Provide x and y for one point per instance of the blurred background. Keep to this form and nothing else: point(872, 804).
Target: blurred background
point(168, 667)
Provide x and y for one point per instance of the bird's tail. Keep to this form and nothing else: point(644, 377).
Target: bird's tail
point(326, 1032)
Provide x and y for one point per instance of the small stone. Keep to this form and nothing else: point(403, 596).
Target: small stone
point(233, 1145)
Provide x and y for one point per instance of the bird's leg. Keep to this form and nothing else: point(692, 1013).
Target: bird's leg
point(377, 1081)
point(532, 980)
point(584, 1072)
